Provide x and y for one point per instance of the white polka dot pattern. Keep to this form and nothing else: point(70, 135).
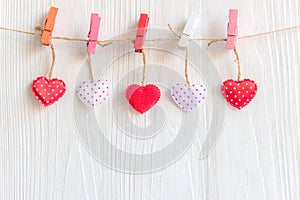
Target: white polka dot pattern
point(93, 93)
point(187, 97)
point(239, 93)
point(48, 91)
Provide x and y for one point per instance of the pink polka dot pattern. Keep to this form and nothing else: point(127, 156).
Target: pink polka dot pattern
point(93, 93)
point(239, 93)
point(48, 91)
point(187, 97)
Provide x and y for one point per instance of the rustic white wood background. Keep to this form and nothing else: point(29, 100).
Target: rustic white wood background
point(257, 156)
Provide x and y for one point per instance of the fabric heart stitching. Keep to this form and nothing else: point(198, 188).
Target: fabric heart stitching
point(187, 97)
point(239, 93)
point(93, 93)
point(48, 91)
point(142, 98)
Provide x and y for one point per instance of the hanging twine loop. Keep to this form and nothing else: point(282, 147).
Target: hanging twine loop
point(91, 71)
point(187, 66)
point(186, 55)
point(211, 41)
point(53, 60)
point(53, 56)
point(144, 68)
point(238, 62)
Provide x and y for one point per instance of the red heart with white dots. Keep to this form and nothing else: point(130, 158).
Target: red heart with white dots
point(187, 97)
point(48, 91)
point(239, 93)
point(142, 98)
point(93, 93)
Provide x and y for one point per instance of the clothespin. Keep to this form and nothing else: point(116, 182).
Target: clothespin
point(49, 25)
point(232, 29)
point(189, 29)
point(141, 33)
point(93, 34)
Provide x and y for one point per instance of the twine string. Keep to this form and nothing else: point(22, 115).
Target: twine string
point(38, 28)
point(104, 43)
point(238, 62)
point(186, 71)
point(216, 40)
point(20, 31)
point(187, 66)
point(91, 71)
point(53, 60)
point(186, 55)
point(268, 32)
point(173, 31)
point(144, 68)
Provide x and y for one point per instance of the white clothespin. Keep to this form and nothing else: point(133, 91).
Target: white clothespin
point(188, 31)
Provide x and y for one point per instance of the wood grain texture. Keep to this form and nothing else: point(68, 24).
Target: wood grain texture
point(257, 156)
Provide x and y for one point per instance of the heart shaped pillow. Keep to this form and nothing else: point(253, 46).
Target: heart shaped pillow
point(239, 93)
point(142, 98)
point(48, 91)
point(93, 93)
point(187, 97)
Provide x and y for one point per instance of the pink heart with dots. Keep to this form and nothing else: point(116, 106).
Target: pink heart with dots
point(48, 91)
point(187, 97)
point(93, 93)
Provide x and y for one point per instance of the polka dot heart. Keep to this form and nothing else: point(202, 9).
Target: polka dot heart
point(239, 93)
point(187, 97)
point(93, 93)
point(48, 91)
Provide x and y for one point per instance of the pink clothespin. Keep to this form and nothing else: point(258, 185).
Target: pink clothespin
point(141, 33)
point(93, 34)
point(232, 29)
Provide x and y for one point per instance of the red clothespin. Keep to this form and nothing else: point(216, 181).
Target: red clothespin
point(141, 33)
point(232, 29)
point(93, 34)
point(49, 25)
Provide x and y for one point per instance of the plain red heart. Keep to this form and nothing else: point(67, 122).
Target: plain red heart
point(142, 98)
point(239, 93)
point(48, 91)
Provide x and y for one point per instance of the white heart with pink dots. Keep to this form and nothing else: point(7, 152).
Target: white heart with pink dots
point(93, 93)
point(187, 97)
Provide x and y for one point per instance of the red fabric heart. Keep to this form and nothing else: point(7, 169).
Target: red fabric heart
point(239, 93)
point(48, 91)
point(142, 98)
